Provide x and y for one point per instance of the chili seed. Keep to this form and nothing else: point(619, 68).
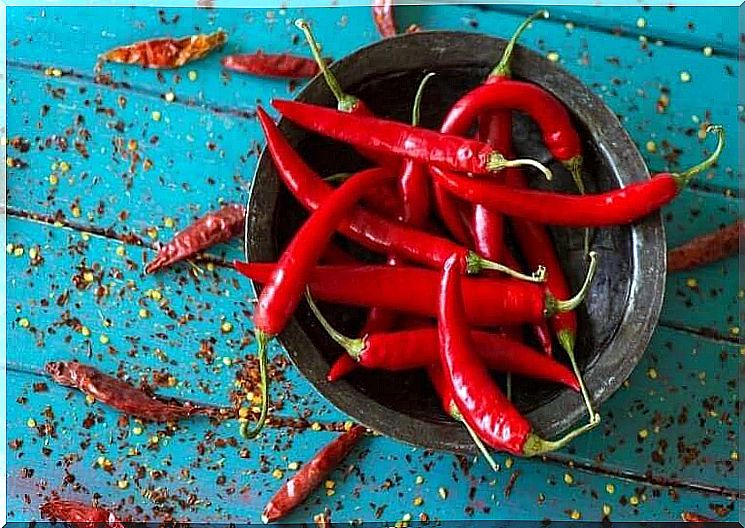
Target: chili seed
point(85, 331)
point(606, 509)
point(18, 251)
point(64, 166)
point(120, 251)
point(708, 51)
point(155, 115)
point(685, 77)
point(293, 466)
point(443, 493)
point(104, 339)
point(192, 75)
point(227, 361)
point(277, 474)
point(568, 478)
point(226, 327)
point(123, 484)
point(652, 373)
point(575, 515)
point(508, 462)
point(31, 422)
point(75, 209)
point(154, 439)
point(53, 179)
point(137, 430)
point(330, 492)
point(419, 479)
point(692, 283)
point(735, 330)
point(90, 399)
point(610, 488)
point(316, 426)
point(170, 96)
point(23, 322)
point(169, 222)
point(152, 232)
point(734, 455)
point(553, 56)
point(348, 425)
point(641, 22)
point(143, 313)
point(634, 500)
point(329, 484)
point(643, 434)
point(418, 501)
point(651, 147)
point(406, 517)
point(9, 248)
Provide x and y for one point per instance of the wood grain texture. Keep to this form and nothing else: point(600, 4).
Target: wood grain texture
point(144, 167)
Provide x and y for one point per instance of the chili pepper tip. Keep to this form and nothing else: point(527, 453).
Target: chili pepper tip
point(683, 178)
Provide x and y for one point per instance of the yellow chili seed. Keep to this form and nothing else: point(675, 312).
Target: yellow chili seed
point(143, 313)
point(553, 56)
point(18, 252)
point(104, 339)
point(31, 422)
point(85, 331)
point(575, 515)
point(23, 322)
point(568, 478)
point(634, 500)
point(226, 327)
point(155, 115)
point(606, 509)
point(293, 466)
point(53, 179)
point(277, 473)
point(610, 488)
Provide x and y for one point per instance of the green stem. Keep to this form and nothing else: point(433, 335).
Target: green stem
point(354, 347)
point(535, 445)
point(345, 102)
point(567, 341)
point(503, 68)
point(554, 305)
point(509, 386)
point(477, 264)
point(683, 178)
point(497, 162)
point(262, 340)
point(455, 413)
point(339, 177)
point(415, 111)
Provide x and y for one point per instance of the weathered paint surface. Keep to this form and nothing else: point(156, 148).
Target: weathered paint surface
point(105, 172)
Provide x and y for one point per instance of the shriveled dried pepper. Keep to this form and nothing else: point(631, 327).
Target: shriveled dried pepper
point(707, 248)
point(283, 65)
point(383, 17)
point(79, 514)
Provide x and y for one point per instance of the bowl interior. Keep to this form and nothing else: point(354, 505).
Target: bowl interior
point(610, 159)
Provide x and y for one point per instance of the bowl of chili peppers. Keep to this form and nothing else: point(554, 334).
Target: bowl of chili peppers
point(448, 284)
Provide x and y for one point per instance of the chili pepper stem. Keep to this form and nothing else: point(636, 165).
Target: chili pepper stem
point(509, 386)
point(567, 341)
point(535, 445)
point(497, 162)
point(455, 413)
point(504, 67)
point(262, 341)
point(354, 347)
point(684, 178)
point(476, 264)
point(574, 166)
point(338, 177)
point(345, 102)
point(416, 109)
point(554, 305)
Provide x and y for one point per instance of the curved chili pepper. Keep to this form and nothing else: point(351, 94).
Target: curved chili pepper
point(283, 291)
point(165, 52)
point(692, 517)
point(617, 207)
point(706, 249)
point(263, 64)
point(478, 398)
point(489, 301)
point(406, 141)
point(79, 514)
point(383, 16)
point(211, 229)
point(344, 101)
point(368, 229)
point(297, 488)
point(417, 348)
point(124, 397)
point(437, 377)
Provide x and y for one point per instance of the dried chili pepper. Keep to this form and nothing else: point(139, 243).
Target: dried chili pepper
point(284, 289)
point(79, 514)
point(706, 249)
point(213, 228)
point(311, 475)
point(617, 207)
point(478, 398)
point(489, 301)
point(166, 52)
point(126, 398)
point(281, 65)
point(692, 517)
point(406, 141)
point(370, 230)
point(417, 348)
point(385, 22)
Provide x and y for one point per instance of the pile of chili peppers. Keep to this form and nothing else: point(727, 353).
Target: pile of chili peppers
point(423, 312)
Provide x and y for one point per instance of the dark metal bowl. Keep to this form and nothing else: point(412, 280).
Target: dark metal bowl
point(616, 322)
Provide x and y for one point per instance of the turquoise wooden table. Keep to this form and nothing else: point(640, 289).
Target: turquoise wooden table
point(98, 174)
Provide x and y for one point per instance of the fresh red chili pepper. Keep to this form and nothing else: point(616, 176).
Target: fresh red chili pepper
point(368, 229)
point(297, 488)
point(414, 180)
point(165, 52)
point(489, 301)
point(692, 517)
point(284, 289)
point(478, 398)
point(617, 207)
point(383, 16)
point(406, 141)
point(124, 397)
point(211, 229)
point(442, 387)
point(706, 249)
point(418, 348)
point(281, 65)
point(79, 514)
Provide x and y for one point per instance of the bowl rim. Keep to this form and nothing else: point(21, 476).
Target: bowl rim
point(647, 284)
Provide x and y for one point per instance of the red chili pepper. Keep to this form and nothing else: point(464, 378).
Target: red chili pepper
point(345, 102)
point(281, 65)
point(297, 488)
point(489, 301)
point(79, 514)
point(124, 397)
point(406, 141)
point(165, 52)
point(706, 249)
point(692, 517)
point(418, 348)
point(211, 229)
point(284, 289)
point(617, 207)
point(383, 16)
point(478, 398)
point(370, 230)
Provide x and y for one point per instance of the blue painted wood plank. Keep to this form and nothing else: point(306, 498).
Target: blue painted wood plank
point(92, 302)
point(381, 480)
point(631, 76)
